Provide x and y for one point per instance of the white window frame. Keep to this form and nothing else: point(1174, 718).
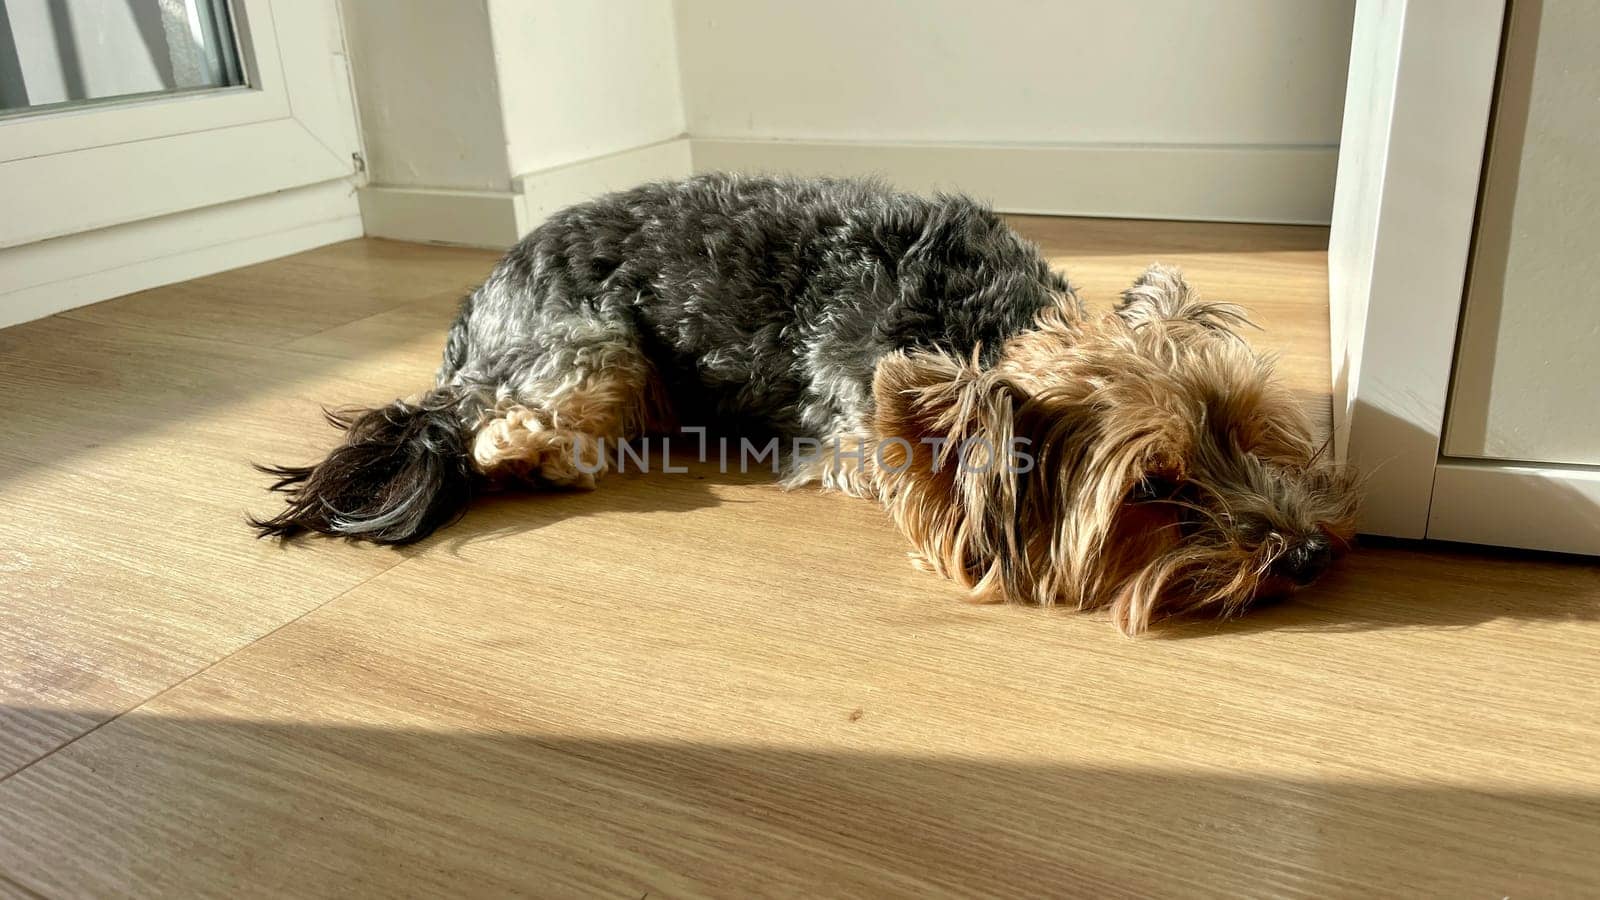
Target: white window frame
point(98, 165)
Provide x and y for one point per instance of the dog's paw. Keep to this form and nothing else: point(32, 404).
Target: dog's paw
point(523, 445)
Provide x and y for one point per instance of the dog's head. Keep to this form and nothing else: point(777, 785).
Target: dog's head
point(1147, 461)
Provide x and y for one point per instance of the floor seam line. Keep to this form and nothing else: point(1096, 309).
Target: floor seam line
point(231, 342)
point(204, 669)
point(308, 355)
point(333, 328)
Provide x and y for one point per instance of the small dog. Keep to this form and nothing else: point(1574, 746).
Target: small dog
point(1145, 460)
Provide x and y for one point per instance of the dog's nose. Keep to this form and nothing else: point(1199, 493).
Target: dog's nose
point(1303, 562)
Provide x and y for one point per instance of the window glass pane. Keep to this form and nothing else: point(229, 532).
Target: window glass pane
point(65, 52)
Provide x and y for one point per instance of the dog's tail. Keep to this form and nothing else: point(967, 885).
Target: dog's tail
point(403, 471)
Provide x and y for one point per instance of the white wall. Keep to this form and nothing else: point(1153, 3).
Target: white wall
point(584, 79)
point(427, 93)
point(1223, 110)
point(470, 95)
point(480, 117)
point(1009, 71)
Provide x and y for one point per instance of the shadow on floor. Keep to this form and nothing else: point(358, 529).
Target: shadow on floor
point(1385, 583)
point(166, 806)
point(503, 513)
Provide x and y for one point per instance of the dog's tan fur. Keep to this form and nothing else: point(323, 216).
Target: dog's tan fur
point(1164, 391)
point(573, 423)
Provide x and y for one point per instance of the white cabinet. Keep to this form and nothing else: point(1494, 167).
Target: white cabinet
point(1465, 334)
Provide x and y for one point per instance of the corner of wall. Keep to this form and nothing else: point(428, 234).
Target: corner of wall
point(546, 191)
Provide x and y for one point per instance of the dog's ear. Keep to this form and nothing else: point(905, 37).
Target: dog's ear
point(1162, 295)
point(923, 394)
point(948, 468)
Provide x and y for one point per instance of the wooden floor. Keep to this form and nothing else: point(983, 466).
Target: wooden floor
point(698, 684)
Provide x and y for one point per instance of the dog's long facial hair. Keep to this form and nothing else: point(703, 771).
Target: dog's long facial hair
point(1170, 472)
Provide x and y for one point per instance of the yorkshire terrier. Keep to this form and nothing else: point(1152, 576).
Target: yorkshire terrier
point(1144, 460)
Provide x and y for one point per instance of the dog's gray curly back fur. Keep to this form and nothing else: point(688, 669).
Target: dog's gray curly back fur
point(758, 299)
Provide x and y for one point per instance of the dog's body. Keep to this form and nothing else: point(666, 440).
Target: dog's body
point(839, 312)
point(754, 300)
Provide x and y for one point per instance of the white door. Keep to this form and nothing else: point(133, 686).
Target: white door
point(102, 194)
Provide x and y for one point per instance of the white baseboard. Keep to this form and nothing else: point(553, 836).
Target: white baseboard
point(1246, 183)
point(437, 216)
point(61, 273)
point(1224, 183)
point(1516, 505)
point(549, 190)
point(498, 219)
